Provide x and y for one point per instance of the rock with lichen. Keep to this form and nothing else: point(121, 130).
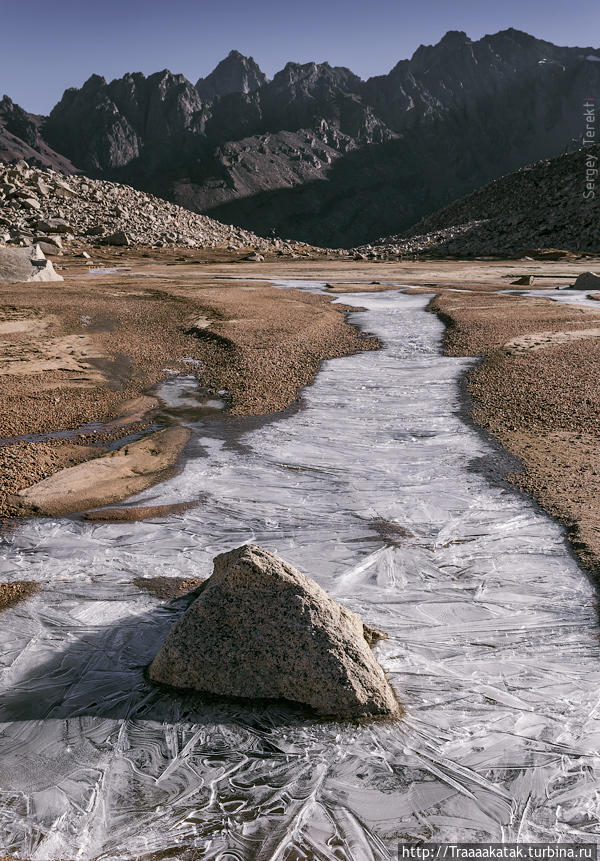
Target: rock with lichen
point(261, 629)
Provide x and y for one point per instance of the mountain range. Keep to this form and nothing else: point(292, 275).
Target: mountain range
point(316, 153)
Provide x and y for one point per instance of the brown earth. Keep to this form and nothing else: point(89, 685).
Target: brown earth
point(168, 588)
point(106, 479)
point(12, 594)
point(477, 325)
point(135, 514)
point(538, 392)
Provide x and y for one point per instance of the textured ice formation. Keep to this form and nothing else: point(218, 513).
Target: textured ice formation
point(566, 296)
point(375, 488)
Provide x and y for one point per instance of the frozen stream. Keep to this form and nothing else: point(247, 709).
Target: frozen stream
point(493, 646)
point(567, 297)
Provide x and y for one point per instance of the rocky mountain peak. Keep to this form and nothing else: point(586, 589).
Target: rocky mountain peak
point(519, 36)
point(18, 122)
point(166, 78)
point(454, 47)
point(454, 38)
point(316, 80)
point(21, 138)
point(235, 74)
point(94, 82)
point(107, 126)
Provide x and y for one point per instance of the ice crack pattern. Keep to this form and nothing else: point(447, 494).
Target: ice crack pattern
point(370, 488)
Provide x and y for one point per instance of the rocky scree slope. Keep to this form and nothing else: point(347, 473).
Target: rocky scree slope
point(42, 206)
point(319, 154)
point(540, 206)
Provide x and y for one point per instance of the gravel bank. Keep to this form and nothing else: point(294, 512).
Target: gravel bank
point(542, 401)
point(12, 594)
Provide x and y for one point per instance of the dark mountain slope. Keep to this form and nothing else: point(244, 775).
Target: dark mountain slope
point(106, 127)
point(554, 203)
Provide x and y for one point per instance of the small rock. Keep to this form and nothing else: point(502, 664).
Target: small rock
point(586, 281)
point(41, 187)
point(61, 189)
point(54, 225)
point(30, 203)
point(524, 281)
point(48, 248)
point(49, 240)
point(117, 238)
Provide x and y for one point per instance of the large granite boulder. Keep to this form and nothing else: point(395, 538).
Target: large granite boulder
point(261, 629)
point(587, 281)
point(26, 264)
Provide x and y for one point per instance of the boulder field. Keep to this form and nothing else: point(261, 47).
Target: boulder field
point(40, 205)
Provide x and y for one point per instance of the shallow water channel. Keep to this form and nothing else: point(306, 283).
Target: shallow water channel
point(375, 489)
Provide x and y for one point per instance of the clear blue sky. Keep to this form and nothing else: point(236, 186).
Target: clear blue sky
point(48, 46)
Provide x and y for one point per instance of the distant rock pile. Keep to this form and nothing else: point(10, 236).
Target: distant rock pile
point(260, 629)
point(541, 206)
point(41, 206)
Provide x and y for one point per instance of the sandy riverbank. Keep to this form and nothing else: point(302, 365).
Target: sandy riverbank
point(537, 391)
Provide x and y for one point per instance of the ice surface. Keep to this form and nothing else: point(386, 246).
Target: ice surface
point(567, 295)
point(374, 489)
point(185, 399)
